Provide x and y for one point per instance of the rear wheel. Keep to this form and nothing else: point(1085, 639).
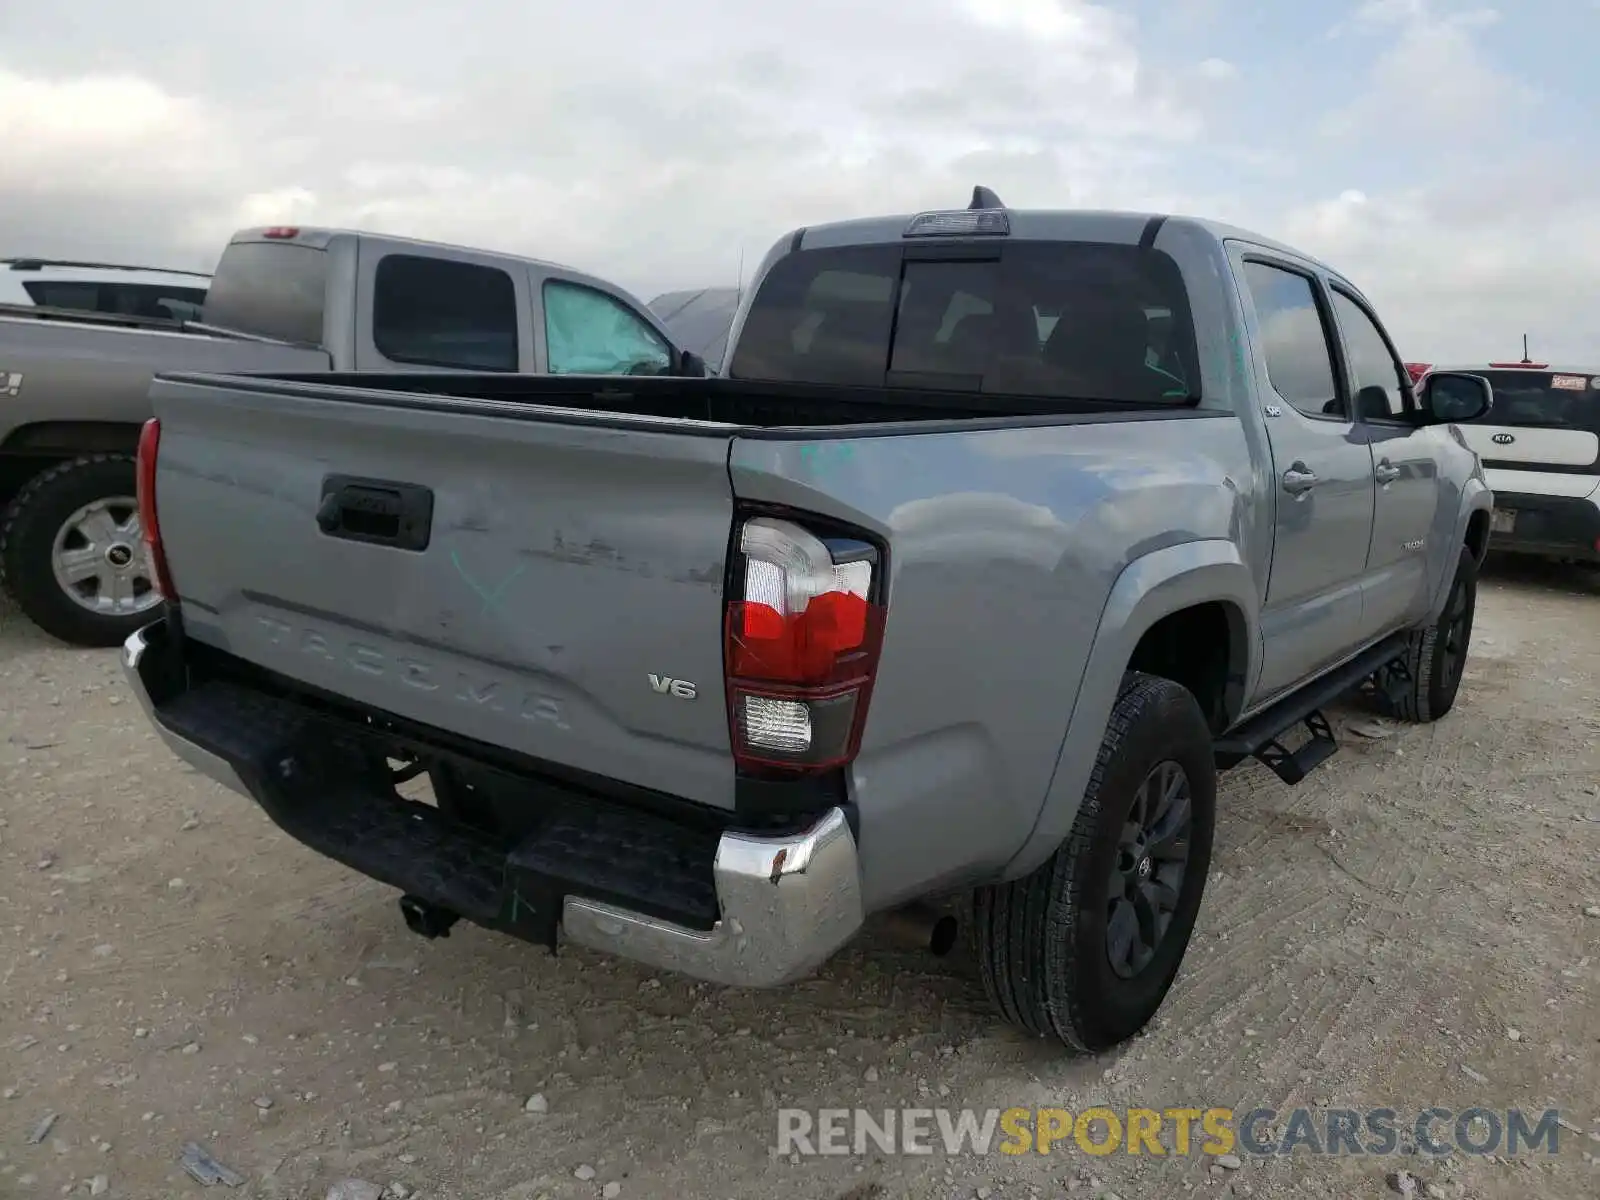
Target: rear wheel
point(1436, 657)
point(72, 554)
point(1085, 949)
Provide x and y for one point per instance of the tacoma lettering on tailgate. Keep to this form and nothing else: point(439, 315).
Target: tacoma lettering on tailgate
point(474, 690)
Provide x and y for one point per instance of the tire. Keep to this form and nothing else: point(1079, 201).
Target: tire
point(1436, 656)
point(40, 514)
point(1042, 941)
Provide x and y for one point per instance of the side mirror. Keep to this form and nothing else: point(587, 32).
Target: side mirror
point(691, 365)
point(1448, 396)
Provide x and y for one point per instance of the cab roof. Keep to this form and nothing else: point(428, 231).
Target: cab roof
point(321, 237)
point(1116, 226)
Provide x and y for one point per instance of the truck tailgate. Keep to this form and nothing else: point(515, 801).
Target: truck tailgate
point(571, 570)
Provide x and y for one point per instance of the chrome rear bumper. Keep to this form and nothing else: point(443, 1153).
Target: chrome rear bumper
point(786, 903)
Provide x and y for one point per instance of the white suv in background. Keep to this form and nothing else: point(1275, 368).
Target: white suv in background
point(1540, 446)
point(104, 288)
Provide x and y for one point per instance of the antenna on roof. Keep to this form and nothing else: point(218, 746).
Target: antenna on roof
point(1525, 357)
point(982, 197)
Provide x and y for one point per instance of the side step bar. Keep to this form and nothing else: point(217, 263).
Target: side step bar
point(1260, 736)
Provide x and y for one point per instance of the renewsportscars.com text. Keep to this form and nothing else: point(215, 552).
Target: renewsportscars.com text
point(1168, 1131)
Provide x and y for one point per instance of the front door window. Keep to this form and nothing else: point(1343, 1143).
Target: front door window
point(590, 333)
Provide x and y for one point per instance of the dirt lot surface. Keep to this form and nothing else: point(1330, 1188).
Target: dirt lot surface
point(1405, 929)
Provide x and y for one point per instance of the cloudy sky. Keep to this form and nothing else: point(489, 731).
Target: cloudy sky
point(1445, 155)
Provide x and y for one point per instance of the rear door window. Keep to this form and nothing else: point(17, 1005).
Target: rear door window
point(1375, 373)
point(1294, 340)
point(590, 333)
point(1082, 320)
point(439, 312)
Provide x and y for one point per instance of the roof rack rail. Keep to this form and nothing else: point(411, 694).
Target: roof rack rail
point(34, 264)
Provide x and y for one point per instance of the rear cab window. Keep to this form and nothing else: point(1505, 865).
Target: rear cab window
point(149, 300)
point(1082, 320)
point(125, 299)
point(274, 289)
point(54, 293)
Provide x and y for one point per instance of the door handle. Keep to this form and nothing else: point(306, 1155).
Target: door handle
point(1386, 472)
point(378, 511)
point(1299, 479)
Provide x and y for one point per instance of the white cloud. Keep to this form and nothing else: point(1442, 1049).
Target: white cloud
point(1430, 79)
point(101, 131)
point(605, 134)
point(1218, 68)
point(1054, 20)
point(1463, 274)
point(613, 136)
point(1496, 234)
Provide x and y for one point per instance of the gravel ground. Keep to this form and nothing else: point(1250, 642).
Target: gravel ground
point(1405, 929)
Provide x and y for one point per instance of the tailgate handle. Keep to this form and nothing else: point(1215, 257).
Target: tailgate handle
point(378, 511)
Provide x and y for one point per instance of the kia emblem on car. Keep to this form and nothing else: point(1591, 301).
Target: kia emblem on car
point(1502, 439)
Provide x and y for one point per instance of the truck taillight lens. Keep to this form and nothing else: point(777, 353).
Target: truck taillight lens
point(803, 635)
point(149, 445)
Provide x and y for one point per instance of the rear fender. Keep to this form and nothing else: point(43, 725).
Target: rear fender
point(1476, 497)
point(31, 449)
point(68, 439)
point(1154, 586)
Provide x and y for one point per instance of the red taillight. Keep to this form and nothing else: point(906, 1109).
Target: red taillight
point(280, 232)
point(1417, 370)
point(1525, 366)
point(803, 638)
point(149, 446)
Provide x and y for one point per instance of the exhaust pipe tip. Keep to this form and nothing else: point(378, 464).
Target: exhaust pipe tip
point(425, 919)
point(942, 939)
point(925, 928)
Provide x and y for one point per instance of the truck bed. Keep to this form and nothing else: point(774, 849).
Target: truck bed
point(544, 565)
point(746, 404)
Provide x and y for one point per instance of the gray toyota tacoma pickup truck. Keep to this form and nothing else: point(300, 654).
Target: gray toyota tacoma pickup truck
point(75, 386)
point(998, 536)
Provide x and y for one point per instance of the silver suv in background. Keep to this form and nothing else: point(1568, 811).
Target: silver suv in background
point(155, 292)
point(74, 386)
point(699, 319)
